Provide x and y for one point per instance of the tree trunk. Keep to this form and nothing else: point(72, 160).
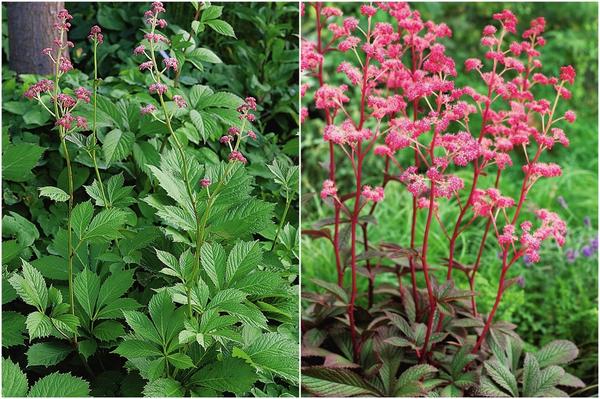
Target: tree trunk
point(30, 30)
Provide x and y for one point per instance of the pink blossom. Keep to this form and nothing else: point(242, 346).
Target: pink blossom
point(233, 131)
point(368, 11)
point(473, 63)
point(372, 194)
point(66, 101)
point(65, 121)
point(82, 122)
point(148, 109)
point(331, 97)
point(251, 134)
point(205, 182)
point(179, 101)
point(96, 34)
point(225, 139)
point(139, 50)
point(329, 189)
point(158, 88)
point(170, 63)
point(83, 94)
point(303, 114)
point(146, 65)
point(570, 116)
point(43, 86)
point(331, 12)
point(237, 156)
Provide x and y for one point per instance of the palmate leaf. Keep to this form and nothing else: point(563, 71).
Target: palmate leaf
point(116, 194)
point(329, 382)
point(272, 352)
point(14, 381)
point(229, 375)
point(59, 385)
point(108, 330)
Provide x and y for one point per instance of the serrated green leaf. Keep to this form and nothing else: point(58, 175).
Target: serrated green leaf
point(142, 326)
point(54, 193)
point(243, 258)
point(180, 361)
point(115, 285)
point(221, 27)
point(31, 286)
point(117, 145)
point(163, 387)
point(57, 385)
point(272, 352)
point(47, 353)
point(14, 381)
point(133, 348)
point(86, 288)
point(13, 327)
point(213, 258)
point(18, 160)
point(108, 330)
point(229, 375)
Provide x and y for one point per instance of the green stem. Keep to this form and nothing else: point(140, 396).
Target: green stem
point(94, 128)
point(288, 202)
point(186, 180)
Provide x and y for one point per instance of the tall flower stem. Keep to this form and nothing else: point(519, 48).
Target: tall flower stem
point(329, 120)
point(62, 134)
point(94, 126)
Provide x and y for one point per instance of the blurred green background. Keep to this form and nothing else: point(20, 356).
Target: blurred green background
point(559, 297)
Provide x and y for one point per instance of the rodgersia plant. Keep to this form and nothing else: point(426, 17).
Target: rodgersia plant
point(221, 308)
point(394, 96)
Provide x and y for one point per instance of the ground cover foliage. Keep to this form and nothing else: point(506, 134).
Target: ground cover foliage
point(150, 243)
point(543, 302)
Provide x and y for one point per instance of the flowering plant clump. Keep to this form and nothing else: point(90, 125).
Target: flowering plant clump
point(394, 97)
point(181, 284)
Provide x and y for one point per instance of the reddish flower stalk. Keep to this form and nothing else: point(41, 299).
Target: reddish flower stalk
point(374, 64)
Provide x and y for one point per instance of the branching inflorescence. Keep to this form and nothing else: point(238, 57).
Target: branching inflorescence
point(404, 99)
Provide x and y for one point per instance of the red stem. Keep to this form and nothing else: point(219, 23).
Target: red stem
point(354, 221)
point(328, 118)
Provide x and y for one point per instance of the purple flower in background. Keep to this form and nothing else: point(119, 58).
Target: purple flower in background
point(587, 222)
point(561, 201)
point(527, 261)
point(571, 255)
point(521, 281)
point(594, 243)
point(587, 251)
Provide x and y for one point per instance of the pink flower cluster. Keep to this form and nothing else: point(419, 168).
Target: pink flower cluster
point(96, 35)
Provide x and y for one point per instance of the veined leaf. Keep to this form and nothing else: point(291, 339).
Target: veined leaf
point(221, 27)
point(47, 353)
point(13, 327)
point(60, 385)
point(14, 381)
point(18, 160)
point(213, 258)
point(117, 145)
point(229, 375)
point(243, 258)
point(163, 387)
point(31, 286)
point(556, 353)
point(86, 288)
point(54, 193)
point(330, 382)
point(272, 352)
point(502, 376)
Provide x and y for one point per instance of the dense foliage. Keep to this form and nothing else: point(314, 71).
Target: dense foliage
point(358, 91)
point(149, 231)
